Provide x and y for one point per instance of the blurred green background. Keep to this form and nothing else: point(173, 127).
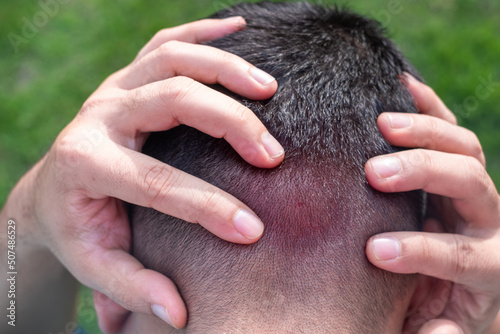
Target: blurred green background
point(45, 78)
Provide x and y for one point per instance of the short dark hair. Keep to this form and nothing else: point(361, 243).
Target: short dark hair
point(336, 73)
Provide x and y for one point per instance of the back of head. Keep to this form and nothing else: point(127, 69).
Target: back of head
point(308, 273)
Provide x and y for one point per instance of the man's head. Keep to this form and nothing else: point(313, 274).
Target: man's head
point(308, 273)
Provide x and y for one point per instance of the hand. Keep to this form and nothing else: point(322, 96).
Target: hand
point(94, 164)
point(459, 247)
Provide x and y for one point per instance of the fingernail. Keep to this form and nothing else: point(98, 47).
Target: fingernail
point(162, 313)
point(260, 76)
point(409, 78)
point(247, 224)
point(386, 166)
point(236, 20)
point(386, 248)
point(273, 148)
point(399, 121)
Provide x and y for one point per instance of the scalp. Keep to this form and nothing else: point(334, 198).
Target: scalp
point(336, 73)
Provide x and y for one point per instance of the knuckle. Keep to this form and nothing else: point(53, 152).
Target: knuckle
point(177, 90)
point(169, 49)
point(92, 104)
point(105, 100)
point(158, 182)
point(425, 249)
point(148, 69)
point(228, 58)
point(240, 113)
point(476, 148)
point(434, 125)
point(71, 149)
point(421, 163)
point(162, 35)
point(134, 100)
point(435, 132)
point(209, 205)
point(423, 160)
point(461, 256)
point(476, 177)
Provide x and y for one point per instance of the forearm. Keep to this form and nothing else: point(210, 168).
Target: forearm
point(35, 286)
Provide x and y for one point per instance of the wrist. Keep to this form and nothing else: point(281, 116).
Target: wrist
point(20, 209)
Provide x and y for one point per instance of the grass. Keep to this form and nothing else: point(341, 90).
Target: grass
point(453, 43)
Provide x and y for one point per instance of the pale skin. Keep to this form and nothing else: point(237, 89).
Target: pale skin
point(70, 216)
point(462, 235)
point(66, 206)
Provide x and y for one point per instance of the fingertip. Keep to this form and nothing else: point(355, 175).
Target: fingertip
point(263, 78)
point(385, 248)
point(255, 83)
point(370, 175)
point(387, 251)
point(275, 151)
point(440, 326)
point(179, 316)
point(385, 167)
point(163, 313)
point(262, 152)
point(248, 225)
point(394, 127)
point(165, 300)
point(137, 289)
point(174, 314)
point(408, 79)
point(383, 120)
point(374, 179)
point(238, 22)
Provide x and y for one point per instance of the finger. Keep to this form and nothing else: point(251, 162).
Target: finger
point(202, 63)
point(452, 257)
point(440, 326)
point(132, 286)
point(427, 101)
point(147, 182)
point(111, 316)
point(429, 301)
point(461, 178)
point(411, 130)
point(195, 32)
point(180, 100)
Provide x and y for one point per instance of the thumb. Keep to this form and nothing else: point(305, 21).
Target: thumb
point(135, 288)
